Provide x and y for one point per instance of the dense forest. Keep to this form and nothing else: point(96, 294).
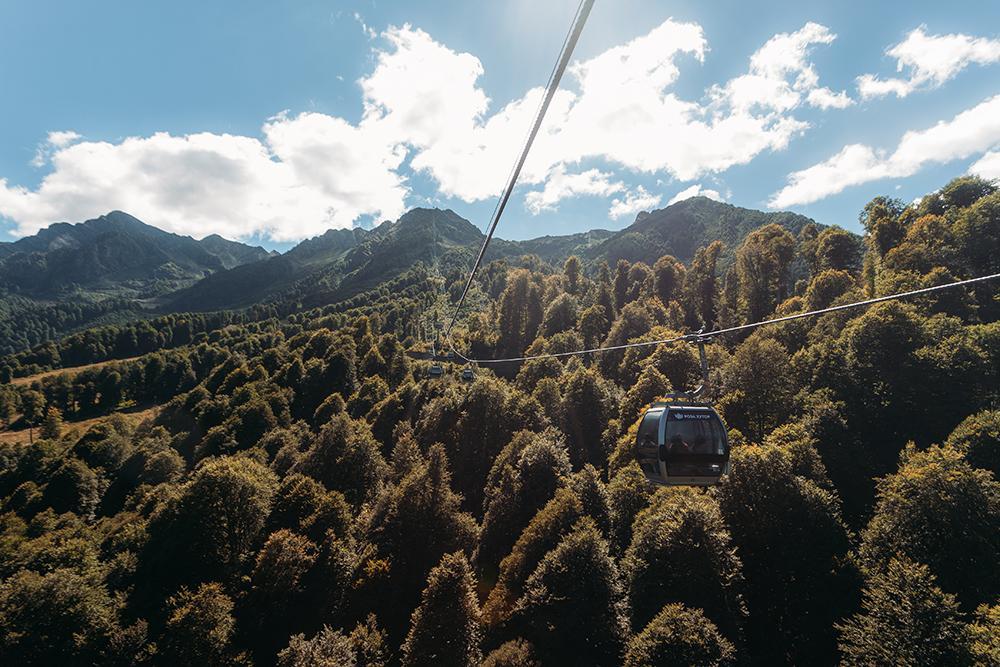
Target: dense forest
point(302, 492)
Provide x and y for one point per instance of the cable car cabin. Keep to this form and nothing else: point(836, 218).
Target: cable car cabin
point(435, 371)
point(682, 444)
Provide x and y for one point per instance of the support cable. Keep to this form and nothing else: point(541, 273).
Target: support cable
point(582, 12)
point(708, 335)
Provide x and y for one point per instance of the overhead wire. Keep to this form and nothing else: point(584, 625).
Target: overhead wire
point(708, 335)
point(569, 43)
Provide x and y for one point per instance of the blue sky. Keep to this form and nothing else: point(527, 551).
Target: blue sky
point(272, 121)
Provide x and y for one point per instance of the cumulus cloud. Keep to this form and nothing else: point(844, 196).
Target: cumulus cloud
point(633, 202)
point(929, 61)
point(425, 110)
point(971, 132)
point(780, 72)
point(312, 173)
point(695, 191)
point(559, 185)
point(824, 98)
point(53, 142)
point(987, 166)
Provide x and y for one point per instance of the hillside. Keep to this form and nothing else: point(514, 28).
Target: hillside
point(681, 228)
point(113, 255)
point(285, 485)
point(342, 263)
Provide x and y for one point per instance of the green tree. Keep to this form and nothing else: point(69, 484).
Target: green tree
point(762, 264)
point(573, 275)
point(520, 312)
point(523, 479)
point(701, 288)
point(984, 635)
point(826, 287)
point(346, 457)
point(199, 628)
point(650, 386)
point(682, 552)
point(61, 617)
point(668, 278)
point(32, 407)
point(884, 228)
point(838, 250)
point(276, 600)
point(628, 494)
point(594, 325)
point(759, 387)
point(515, 653)
point(413, 525)
point(365, 645)
point(561, 315)
point(541, 535)
point(327, 648)
point(572, 609)
point(587, 406)
point(978, 438)
point(210, 530)
point(792, 544)
point(940, 511)
point(679, 636)
point(444, 629)
point(905, 619)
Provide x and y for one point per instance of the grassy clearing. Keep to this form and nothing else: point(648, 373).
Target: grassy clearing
point(135, 415)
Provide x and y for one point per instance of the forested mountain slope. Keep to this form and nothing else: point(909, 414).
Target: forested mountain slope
point(102, 271)
point(342, 263)
point(307, 492)
point(116, 269)
point(681, 228)
point(116, 255)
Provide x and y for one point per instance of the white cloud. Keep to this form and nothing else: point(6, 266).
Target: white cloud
point(559, 185)
point(365, 28)
point(987, 166)
point(930, 60)
point(695, 191)
point(424, 108)
point(780, 72)
point(313, 173)
point(621, 111)
point(971, 132)
point(824, 98)
point(634, 201)
point(54, 141)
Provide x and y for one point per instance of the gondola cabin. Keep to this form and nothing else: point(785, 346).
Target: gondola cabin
point(682, 443)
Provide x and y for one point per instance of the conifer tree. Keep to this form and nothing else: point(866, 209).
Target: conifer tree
point(937, 493)
point(523, 479)
point(444, 629)
point(541, 535)
point(679, 636)
point(905, 619)
point(52, 426)
point(682, 552)
point(572, 607)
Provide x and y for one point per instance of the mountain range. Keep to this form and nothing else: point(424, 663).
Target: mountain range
point(114, 255)
point(124, 266)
